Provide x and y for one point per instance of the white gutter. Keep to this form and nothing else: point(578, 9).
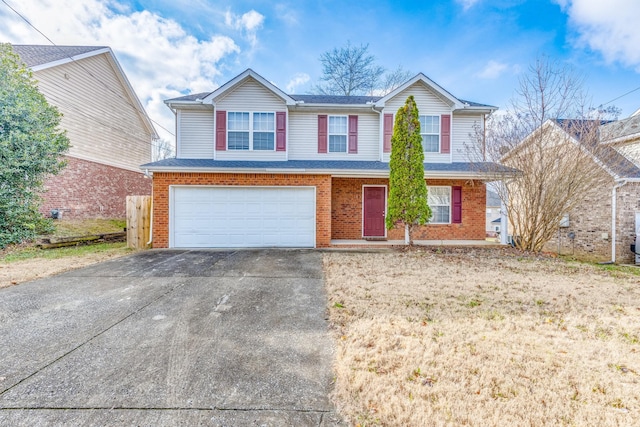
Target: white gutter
point(372, 173)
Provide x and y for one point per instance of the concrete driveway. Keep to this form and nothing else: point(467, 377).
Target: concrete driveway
point(170, 337)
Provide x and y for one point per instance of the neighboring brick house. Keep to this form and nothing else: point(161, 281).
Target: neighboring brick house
point(109, 130)
point(603, 225)
point(257, 167)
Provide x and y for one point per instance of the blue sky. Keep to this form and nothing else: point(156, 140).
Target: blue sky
point(476, 49)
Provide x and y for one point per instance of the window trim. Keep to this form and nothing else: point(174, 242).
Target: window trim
point(252, 130)
point(429, 188)
point(439, 134)
point(346, 134)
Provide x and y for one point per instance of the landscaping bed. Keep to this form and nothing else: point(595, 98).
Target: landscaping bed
point(481, 337)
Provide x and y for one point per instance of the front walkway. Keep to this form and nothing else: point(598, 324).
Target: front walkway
point(383, 243)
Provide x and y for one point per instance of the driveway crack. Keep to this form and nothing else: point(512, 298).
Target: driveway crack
point(82, 344)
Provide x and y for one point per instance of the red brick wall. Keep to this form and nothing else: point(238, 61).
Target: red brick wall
point(87, 189)
point(162, 181)
point(346, 212)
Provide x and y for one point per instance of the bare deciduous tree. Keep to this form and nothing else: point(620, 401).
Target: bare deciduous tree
point(162, 149)
point(551, 137)
point(352, 70)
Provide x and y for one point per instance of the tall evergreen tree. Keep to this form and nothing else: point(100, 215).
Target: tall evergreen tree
point(31, 145)
point(407, 187)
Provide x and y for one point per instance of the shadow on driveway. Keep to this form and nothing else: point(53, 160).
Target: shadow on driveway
point(170, 337)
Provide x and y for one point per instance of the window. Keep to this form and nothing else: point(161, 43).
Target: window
point(337, 134)
point(439, 200)
point(251, 131)
point(238, 124)
point(430, 131)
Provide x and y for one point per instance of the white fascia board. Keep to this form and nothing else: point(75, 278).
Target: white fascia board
point(341, 173)
point(456, 103)
point(476, 109)
point(69, 59)
point(243, 76)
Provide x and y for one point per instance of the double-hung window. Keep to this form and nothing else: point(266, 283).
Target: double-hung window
point(430, 131)
point(250, 131)
point(337, 134)
point(439, 200)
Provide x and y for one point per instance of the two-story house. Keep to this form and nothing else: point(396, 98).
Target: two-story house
point(257, 167)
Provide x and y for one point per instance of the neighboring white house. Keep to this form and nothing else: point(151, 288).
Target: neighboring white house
point(109, 130)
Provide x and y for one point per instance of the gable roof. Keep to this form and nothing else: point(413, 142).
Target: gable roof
point(248, 73)
point(621, 131)
point(611, 160)
point(328, 100)
point(40, 57)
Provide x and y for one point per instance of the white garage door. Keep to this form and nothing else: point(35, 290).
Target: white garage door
point(243, 217)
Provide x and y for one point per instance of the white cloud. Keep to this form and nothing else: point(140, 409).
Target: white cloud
point(286, 14)
point(467, 4)
point(610, 27)
point(249, 23)
point(493, 70)
point(159, 57)
point(298, 80)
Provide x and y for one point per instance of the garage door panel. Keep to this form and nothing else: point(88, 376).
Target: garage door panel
point(243, 217)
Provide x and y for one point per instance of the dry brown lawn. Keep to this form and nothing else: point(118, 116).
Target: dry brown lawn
point(483, 338)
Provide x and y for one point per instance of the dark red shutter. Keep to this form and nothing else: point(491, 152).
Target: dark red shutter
point(353, 134)
point(456, 205)
point(388, 132)
point(221, 130)
point(445, 132)
point(322, 133)
point(281, 131)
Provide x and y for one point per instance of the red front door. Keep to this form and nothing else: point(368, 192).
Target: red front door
point(374, 199)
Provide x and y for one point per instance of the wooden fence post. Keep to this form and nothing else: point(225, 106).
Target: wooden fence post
point(138, 221)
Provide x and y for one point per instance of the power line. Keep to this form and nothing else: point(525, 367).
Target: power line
point(621, 96)
point(87, 71)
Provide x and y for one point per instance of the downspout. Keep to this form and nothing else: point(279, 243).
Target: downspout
point(151, 216)
point(613, 217)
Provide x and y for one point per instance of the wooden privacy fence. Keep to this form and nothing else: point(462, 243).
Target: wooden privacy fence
point(138, 221)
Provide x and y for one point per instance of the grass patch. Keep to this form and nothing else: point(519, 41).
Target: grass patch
point(28, 253)
point(477, 339)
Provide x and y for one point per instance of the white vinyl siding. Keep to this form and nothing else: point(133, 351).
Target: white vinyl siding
point(439, 200)
point(251, 96)
point(463, 136)
point(195, 134)
point(102, 122)
point(429, 104)
point(303, 136)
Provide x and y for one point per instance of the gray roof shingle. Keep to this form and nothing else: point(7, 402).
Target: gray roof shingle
point(346, 165)
point(33, 54)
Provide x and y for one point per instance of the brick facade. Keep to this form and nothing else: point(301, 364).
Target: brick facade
point(85, 189)
point(162, 181)
point(338, 204)
point(346, 211)
point(590, 224)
